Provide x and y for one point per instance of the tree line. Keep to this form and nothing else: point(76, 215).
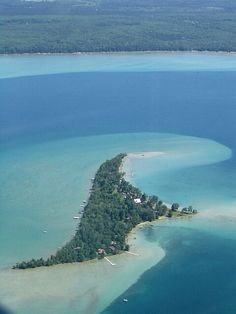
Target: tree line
point(96, 26)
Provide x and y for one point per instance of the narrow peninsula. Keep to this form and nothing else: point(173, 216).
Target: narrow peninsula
point(113, 209)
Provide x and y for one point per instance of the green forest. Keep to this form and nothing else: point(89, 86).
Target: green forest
point(113, 209)
point(121, 25)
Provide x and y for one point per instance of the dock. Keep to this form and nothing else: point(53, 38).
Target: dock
point(113, 264)
point(136, 254)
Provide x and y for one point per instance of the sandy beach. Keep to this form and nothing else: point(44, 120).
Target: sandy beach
point(144, 154)
point(126, 164)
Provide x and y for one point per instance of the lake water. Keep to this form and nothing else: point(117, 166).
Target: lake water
point(57, 127)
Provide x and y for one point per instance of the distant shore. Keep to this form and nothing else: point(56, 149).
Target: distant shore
point(80, 53)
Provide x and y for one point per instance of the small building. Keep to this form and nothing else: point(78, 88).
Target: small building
point(137, 201)
point(112, 248)
point(100, 251)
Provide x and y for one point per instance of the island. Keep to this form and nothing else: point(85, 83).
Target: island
point(113, 209)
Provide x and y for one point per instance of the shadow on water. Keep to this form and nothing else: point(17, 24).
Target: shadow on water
point(3, 310)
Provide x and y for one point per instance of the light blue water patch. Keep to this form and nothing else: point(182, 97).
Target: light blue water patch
point(188, 177)
point(43, 185)
point(209, 187)
point(14, 66)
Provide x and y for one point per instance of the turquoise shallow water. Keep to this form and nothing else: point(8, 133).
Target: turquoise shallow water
point(14, 66)
point(43, 185)
point(206, 187)
point(50, 150)
point(44, 198)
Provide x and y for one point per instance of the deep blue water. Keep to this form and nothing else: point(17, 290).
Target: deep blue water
point(192, 103)
point(198, 273)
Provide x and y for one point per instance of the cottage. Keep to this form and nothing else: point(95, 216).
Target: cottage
point(137, 201)
point(100, 251)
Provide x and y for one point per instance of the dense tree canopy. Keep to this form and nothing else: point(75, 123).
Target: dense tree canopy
point(111, 25)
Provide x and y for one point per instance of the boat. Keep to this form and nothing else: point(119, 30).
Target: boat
point(76, 217)
point(125, 300)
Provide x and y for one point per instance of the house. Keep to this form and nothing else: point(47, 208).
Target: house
point(112, 248)
point(100, 251)
point(137, 201)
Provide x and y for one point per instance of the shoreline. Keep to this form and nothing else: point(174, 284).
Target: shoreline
point(140, 52)
point(145, 154)
point(128, 62)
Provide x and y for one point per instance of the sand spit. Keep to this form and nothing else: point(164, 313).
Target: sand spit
point(126, 166)
point(145, 154)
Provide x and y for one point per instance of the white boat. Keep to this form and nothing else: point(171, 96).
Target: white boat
point(125, 300)
point(76, 217)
